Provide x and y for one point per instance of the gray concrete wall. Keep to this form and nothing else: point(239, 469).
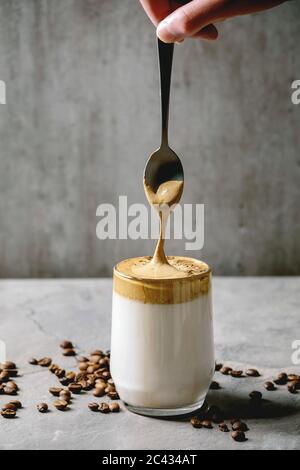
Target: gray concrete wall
point(82, 116)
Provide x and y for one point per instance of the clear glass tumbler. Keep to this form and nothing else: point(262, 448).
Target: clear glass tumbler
point(162, 352)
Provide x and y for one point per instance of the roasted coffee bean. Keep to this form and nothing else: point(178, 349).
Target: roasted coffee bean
point(42, 407)
point(93, 406)
point(97, 352)
point(226, 370)
point(218, 367)
point(240, 426)
point(282, 379)
point(236, 373)
point(238, 436)
point(8, 365)
point(83, 366)
point(4, 376)
point(65, 394)
point(104, 362)
point(252, 373)
point(71, 376)
point(104, 408)
point(269, 386)
point(9, 414)
point(293, 377)
point(75, 388)
point(69, 352)
point(66, 344)
point(214, 386)
point(95, 359)
point(9, 406)
point(55, 391)
point(223, 427)
point(85, 385)
point(292, 388)
point(207, 424)
point(60, 373)
point(114, 407)
point(45, 362)
point(99, 392)
point(83, 359)
point(10, 391)
point(33, 361)
point(110, 388)
point(111, 382)
point(296, 383)
point(53, 368)
point(113, 395)
point(64, 381)
point(106, 375)
point(61, 405)
point(16, 403)
point(255, 395)
point(12, 384)
point(196, 423)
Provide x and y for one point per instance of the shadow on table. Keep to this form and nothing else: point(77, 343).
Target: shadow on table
point(233, 406)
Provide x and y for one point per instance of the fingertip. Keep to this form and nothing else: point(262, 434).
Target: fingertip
point(165, 34)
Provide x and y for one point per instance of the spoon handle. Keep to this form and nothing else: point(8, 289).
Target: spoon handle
point(165, 54)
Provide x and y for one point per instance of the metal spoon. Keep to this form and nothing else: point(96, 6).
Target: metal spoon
point(164, 165)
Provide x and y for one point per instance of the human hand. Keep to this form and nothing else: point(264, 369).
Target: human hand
point(177, 20)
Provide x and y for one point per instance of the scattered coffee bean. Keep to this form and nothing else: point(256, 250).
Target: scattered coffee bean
point(61, 405)
point(16, 403)
point(33, 361)
point(252, 373)
point(64, 381)
point(269, 386)
point(12, 384)
point(8, 365)
point(97, 352)
point(292, 388)
point(104, 408)
point(45, 362)
point(55, 391)
point(4, 376)
point(99, 392)
point(10, 390)
point(53, 368)
point(215, 386)
point(114, 407)
point(255, 395)
point(236, 373)
point(113, 395)
point(238, 436)
point(223, 427)
point(9, 406)
point(42, 407)
point(296, 383)
point(293, 377)
point(9, 414)
point(66, 345)
point(93, 406)
point(71, 376)
point(83, 366)
point(207, 424)
point(69, 352)
point(196, 423)
point(65, 395)
point(226, 370)
point(75, 388)
point(240, 426)
point(60, 373)
point(218, 367)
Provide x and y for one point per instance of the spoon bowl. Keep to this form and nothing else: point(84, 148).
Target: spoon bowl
point(164, 165)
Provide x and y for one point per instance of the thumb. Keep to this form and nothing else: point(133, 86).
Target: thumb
point(188, 20)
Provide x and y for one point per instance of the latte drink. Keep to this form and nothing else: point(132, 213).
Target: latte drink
point(162, 358)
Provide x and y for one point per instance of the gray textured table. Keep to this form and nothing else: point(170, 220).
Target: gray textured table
point(256, 321)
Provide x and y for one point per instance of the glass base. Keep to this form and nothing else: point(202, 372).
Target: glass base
point(166, 412)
